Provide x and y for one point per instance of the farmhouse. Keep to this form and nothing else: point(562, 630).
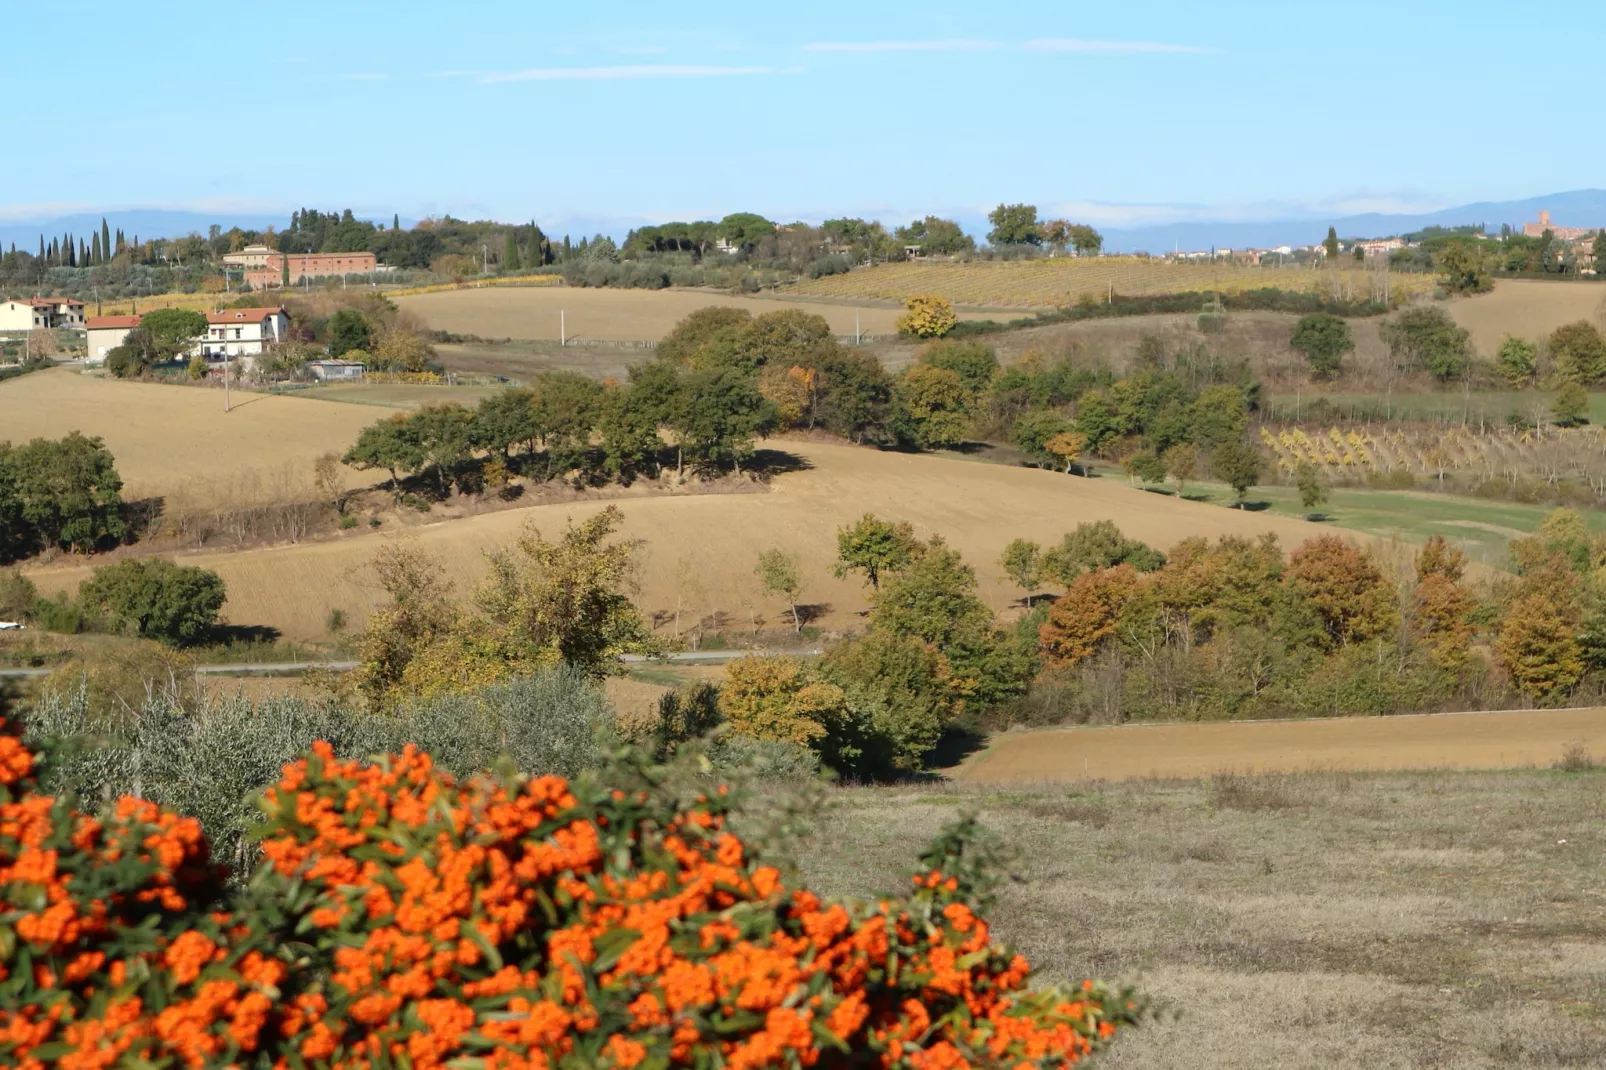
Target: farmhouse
point(106, 333)
point(252, 256)
point(271, 271)
point(241, 332)
point(41, 313)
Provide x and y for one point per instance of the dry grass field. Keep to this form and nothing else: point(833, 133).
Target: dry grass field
point(617, 315)
point(167, 438)
point(1318, 921)
point(1419, 741)
point(700, 549)
point(200, 302)
point(1527, 308)
point(1063, 281)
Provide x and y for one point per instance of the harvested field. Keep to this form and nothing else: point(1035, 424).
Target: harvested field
point(168, 438)
point(1504, 740)
point(1527, 308)
point(1062, 281)
point(700, 549)
point(1339, 921)
point(397, 395)
point(617, 315)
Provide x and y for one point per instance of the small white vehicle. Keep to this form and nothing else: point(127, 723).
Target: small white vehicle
point(10, 626)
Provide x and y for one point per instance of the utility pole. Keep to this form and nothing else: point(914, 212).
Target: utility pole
point(226, 365)
point(485, 260)
point(563, 331)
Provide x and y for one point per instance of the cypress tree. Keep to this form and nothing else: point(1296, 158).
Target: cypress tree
point(105, 240)
point(510, 253)
point(41, 247)
point(395, 221)
point(567, 248)
point(94, 248)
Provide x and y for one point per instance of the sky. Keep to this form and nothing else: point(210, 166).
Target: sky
point(1120, 114)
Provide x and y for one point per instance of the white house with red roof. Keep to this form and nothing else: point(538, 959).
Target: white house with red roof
point(41, 314)
point(241, 332)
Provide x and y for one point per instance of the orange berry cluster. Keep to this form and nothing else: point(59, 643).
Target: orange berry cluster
point(404, 919)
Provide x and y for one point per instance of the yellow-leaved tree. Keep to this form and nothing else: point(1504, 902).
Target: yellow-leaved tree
point(545, 603)
point(780, 698)
point(927, 316)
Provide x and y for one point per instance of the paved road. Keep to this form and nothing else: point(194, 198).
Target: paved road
point(291, 668)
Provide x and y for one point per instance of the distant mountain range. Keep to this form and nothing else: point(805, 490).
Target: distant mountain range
point(1577, 208)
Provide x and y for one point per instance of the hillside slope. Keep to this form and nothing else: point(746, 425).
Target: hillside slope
point(701, 549)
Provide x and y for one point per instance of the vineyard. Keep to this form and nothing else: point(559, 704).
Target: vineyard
point(1062, 281)
point(1551, 455)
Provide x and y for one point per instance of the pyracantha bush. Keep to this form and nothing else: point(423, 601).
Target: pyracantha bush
point(402, 918)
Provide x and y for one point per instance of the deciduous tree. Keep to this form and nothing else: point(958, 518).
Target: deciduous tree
point(938, 406)
point(780, 698)
point(1086, 614)
point(1014, 224)
point(779, 573)
point(927, 316)
point(875, 547)
point(1579, 352)
point(1237, 464)
point(157, 599)
point(1323, 339)
point(1350, 595)
point(1517, 361)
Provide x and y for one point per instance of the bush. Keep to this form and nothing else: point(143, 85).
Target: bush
point(609, 921)
point(209, 757)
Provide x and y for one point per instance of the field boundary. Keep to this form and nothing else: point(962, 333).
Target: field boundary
point(478, 284)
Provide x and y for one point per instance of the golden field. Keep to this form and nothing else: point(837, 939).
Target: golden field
point(614, 315)
point(167, 439)
point(199, 302)
point(714, 539)
point(1527, 308)
point(1062, 281)
point(1498, 740)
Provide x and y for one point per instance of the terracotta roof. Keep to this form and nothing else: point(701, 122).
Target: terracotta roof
point(241, 315)
point(49, 302)
point(104, 322)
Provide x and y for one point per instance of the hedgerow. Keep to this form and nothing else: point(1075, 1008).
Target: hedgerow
point(403, 917)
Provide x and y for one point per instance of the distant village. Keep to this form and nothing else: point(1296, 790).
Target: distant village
point(1573, 239)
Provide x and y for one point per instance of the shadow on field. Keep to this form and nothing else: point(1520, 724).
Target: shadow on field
point(243, 635)
point(957, 744)
point(771, 462)
point(140, 515)
point(812, 611)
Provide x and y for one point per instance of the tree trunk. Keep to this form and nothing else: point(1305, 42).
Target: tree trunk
point(797, 619)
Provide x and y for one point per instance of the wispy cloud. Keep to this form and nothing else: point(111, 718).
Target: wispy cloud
point(949, 45)
point(621, 73)
point(362, 77)
point(1108, 48)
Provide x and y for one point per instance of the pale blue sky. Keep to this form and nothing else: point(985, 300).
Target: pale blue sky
point(1121, 113)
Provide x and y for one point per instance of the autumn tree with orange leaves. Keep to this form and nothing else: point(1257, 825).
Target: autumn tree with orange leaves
point(1441, 610)
point(1086, 614)
point(1351, 597)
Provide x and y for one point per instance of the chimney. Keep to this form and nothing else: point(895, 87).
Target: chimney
point(1544, 218)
